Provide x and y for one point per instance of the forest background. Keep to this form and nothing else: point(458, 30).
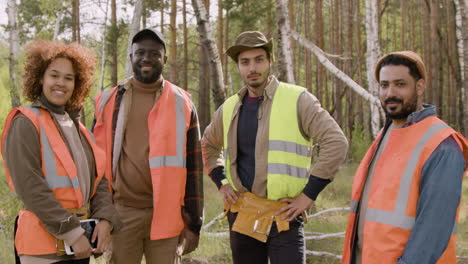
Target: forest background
point(328, 46)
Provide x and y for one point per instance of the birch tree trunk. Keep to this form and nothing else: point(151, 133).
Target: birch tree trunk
point(285, 66)
point(57, 25)
point(162, 17)
point(208, 42)
point(461, 20)
point(134, 28)
point(373, 54)
point(321, 57)
point(14, 51)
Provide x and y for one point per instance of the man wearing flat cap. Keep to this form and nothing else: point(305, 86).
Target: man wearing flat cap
point(407, 189)
point(149, 130)
point(258, 151)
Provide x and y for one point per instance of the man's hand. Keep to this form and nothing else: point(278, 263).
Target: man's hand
point(295, 207)
point(230, 196)
point(82, 248)
point(102, 233)
point(191, 241)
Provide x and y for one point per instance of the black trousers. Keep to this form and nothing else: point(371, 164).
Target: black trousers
point(287, 247)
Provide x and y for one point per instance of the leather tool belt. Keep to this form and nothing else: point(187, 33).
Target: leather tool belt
point(82, 213)
point(256, 215)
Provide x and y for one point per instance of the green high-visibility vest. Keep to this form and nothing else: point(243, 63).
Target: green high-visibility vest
point(289, 153)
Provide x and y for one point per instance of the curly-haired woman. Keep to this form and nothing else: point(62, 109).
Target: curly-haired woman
point(51, 161)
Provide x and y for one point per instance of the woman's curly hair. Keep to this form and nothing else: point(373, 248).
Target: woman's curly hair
point(40, 53)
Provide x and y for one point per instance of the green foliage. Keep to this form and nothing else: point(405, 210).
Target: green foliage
point(360, 143)
point(36, 19)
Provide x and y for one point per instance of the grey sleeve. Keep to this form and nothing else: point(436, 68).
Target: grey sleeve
point(440, 193)
point(23, 160)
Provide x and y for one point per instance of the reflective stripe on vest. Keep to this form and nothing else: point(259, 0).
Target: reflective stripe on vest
point(179, 159)
point(50, 167)
point(289, 153)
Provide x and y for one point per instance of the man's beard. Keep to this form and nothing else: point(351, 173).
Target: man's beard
point(264, 75)
point(406, 107)
point(148, 79)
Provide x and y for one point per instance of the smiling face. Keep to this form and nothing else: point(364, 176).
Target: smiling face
point(399, 92)
point(254, 68)
point(148, 59)
point(58, 81)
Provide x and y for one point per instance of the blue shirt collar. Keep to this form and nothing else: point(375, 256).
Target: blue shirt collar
point(427, 111)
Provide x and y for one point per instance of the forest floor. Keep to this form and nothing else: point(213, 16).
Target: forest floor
point(216, 250)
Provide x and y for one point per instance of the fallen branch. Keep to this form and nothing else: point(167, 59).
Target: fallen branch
point(213, 221)
point(327, 211)
point(320, 254)
point(319, 237)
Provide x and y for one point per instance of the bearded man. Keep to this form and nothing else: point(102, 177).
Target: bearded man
point(407, 189)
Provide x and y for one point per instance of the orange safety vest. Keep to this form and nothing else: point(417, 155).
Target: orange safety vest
point(60, 173)
point(168, 123)
point(394, 193)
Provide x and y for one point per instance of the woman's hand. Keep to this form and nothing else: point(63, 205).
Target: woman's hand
point(82, 248)
point(102, 233)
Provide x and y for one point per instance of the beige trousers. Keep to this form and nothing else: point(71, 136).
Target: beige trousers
point(133, 240)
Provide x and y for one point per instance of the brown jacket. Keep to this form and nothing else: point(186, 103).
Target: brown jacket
point(24, 164)
point(314, 122)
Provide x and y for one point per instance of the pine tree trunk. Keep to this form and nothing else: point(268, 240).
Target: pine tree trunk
point(292, 25)
point(103, 50)
point(12, 10)
point(161, 10)
point(173, 43)
point(76, 21)
point(319, 81)
point(113, 44)
point(307, 34)
point(207, 41)
point(185, 66)
point(435, 55)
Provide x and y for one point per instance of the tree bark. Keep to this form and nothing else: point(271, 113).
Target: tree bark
point(307, 34)
point(292, 25)
point(285, 67)
point(373, 54)
point(173, 44)
point(134, 28)
point(435, 54)
point(185, 66)
point(58, 20)
point(12, 10)
point(103, 50)
point(76, 21)
point(207, 40)
point(113, 44)
point(162, 16)
point(321, 57)
point(220, 31)
point(462, 44)
point(319, 81)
